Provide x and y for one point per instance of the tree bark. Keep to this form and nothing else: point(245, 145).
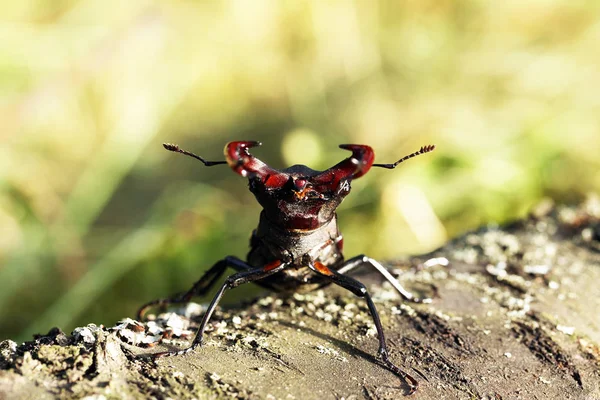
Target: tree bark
point(514, 316)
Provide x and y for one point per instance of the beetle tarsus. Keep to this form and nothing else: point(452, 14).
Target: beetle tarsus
point(164, 354)
point(410, 381)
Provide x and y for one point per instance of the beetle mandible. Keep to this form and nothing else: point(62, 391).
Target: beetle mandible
point(297, 245)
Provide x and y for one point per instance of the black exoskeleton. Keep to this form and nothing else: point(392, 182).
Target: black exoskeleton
point(297, 245)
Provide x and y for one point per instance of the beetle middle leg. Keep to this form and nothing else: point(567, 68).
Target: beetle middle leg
point(357, 261)
point(201, 287)
point(360, 290)
point(231, 282)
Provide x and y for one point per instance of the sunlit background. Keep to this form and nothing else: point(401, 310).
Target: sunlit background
point(97, 218)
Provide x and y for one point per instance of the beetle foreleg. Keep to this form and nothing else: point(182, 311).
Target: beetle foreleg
point(357, 261)
point(201, 287)
point(360, 290)
point(231, 282)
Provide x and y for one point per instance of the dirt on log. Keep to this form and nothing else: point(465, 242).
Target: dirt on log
point(515, 315)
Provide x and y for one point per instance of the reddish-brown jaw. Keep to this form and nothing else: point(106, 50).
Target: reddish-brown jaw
point(241, 161)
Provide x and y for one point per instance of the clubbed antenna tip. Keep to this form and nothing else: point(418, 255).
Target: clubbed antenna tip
point(422, 150)
point(171, 147)
point(427, 148)
point(175, 148)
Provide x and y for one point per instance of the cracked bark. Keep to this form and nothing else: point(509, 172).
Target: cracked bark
point(515, 316)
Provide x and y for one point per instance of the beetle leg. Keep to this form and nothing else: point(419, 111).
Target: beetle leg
point(231, 282)
point(200, 288)
point(362, 259)
point(360, 290)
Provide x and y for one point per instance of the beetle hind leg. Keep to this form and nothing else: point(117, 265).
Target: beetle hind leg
point(360, 290)
point(235, 280)
point(200, 288)
point(358, 261)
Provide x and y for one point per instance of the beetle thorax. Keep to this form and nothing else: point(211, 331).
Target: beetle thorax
point(322, 244)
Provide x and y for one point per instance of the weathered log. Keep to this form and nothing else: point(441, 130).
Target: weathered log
point(515, 316)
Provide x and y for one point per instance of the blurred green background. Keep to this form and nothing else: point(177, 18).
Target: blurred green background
point(97, 218)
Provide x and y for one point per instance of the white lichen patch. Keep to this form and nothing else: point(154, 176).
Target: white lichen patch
point(439, 275)
point(517, 306)
point(153, 328)
point(191, 310)
point(8, 350)
point(498, 270)
point(166, 327)
point(94, 397)
point(587, 234)
point(567, 330)
point(178, 375)
point(130, 331)
point(318, 298)
point(347, 314)
point(84, 334)
point(471, 279)
point(445, 316)
point(395, 310)
point(333, 308)
point(408, 310)
point(220, 327)
point(254, 342)
point(437, 261)
point(467, 255)
point(385, 292)
point(130, 336)
point(371, 330)
point(174, 321)
point(330, 352)
point(299, 297)
point(322, 315)
point(265, 301)
point(128, 323)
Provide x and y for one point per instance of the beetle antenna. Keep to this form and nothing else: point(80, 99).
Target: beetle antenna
point(422, 150)
point(176, 149)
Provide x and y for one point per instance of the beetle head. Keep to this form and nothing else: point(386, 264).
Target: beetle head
point(299, 197)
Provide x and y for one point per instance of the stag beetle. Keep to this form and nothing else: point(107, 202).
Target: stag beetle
point(297, 245)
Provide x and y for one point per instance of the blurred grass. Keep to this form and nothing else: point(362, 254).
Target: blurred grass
point(96, 218)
